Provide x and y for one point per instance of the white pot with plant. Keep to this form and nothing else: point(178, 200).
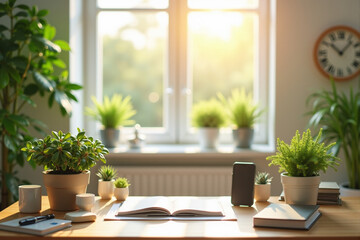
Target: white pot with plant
point(339, 115)
point(300, 164)
point(243, 114)
point(112, 114)
point(121, 188)
point(106, 181)
point(66, 160)
point(262, 188)
point(208, 117)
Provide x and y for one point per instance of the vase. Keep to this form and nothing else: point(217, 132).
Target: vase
point(243, 137)
point(262, 192)
point(110, 137)
point(121, 193)
point(106, 189)
point(208, 137)
point(300, 190)
point(63, 188)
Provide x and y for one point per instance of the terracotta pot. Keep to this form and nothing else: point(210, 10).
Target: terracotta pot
point(300, 190)
point(106, 189)
point(63, 188)
point(262, 192)
point(121, 193)
point(243, 137)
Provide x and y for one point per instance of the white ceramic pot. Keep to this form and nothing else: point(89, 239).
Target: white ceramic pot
point(262, 192)
point(345, 191)
point(243, 137)
point(106, 189)
point(121, 193)
point(300, 190)
point(208, 137)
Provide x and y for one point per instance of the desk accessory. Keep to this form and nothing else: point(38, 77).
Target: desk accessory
point(80, 216)
point(29, 198)
point(242, 189)
point(33, 220)
point(40, 228)
point(85, 201)
point(287, 216)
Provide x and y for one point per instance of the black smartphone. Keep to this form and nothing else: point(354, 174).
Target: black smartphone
point(243, 179)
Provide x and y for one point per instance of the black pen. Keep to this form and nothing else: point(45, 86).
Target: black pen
point(32, 220)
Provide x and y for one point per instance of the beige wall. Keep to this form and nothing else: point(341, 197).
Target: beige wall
point(299, 23)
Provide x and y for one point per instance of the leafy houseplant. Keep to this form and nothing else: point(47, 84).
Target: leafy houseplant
point(121, 188)
point(29, 66)
point(262, 188)
point(302, 161)
point(65, 158)
point(243, 113)
point(112, 114)
point(208, 116)
point(106, 181)
point(339, 115)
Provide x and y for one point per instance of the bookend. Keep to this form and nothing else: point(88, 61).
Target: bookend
point(243, 179)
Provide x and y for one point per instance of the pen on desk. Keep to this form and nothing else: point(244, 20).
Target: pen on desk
point(32, 220)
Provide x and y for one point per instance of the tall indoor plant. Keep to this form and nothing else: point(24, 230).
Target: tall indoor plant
point(300, 164)
point(112, 113)
point(66, 159)
point(29, 66)
point(339, 115)
point(243, 113)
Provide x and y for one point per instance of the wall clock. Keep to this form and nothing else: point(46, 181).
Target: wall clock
point(337, 53)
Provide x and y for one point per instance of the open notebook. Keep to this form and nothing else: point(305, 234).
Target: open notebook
point(164, 208)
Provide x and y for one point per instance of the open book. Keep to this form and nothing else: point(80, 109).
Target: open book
point(166, 206)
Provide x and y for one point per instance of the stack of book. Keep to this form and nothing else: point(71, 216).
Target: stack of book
point(329, 194)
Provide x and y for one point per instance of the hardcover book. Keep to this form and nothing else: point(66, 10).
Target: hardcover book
point(287, 216)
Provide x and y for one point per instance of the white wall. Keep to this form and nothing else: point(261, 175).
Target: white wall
point(299, 23)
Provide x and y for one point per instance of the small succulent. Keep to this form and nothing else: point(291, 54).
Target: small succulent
point(121, 183)
point(263, 178)
point(106, 173)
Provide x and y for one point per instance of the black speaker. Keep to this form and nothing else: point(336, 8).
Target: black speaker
point(242, 189)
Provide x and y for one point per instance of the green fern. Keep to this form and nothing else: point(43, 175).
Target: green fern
point(304, 156)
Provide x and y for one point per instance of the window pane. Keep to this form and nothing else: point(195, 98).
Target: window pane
point(157, 4)
point(221, 52)
point(223, 4)
point(134, 50)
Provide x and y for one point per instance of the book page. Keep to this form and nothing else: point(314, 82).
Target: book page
point(195, 206)
point(147, 206)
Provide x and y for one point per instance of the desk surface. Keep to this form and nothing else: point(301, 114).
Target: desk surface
point(336, 222)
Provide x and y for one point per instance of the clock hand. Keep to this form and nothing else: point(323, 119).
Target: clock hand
point(336, 49)
point(346, 47)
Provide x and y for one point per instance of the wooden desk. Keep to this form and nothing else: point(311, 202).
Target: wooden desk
point(337, 222)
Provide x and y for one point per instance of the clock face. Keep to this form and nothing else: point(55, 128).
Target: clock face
point(337, 53)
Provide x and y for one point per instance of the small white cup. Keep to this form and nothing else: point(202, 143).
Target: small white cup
point(85, 201)
point(29, 198)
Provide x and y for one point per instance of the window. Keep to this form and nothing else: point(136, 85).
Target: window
point(169, 54)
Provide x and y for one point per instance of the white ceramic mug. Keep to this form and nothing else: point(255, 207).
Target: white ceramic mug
point(29, 198)
point(85, 201)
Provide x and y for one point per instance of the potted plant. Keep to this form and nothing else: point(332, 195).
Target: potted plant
point(300, 164)
point(106, 181)
point(243, 114)
point(339, 115)
point(30, 66)
point(262, 188)
point(66, 159)
point(208, 117)
point(121, 188)
point(112, 114)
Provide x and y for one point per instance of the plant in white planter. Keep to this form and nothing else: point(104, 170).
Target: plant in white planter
point(106, 182)
point(243, 113)
point(121, 188)
point(262, 188)
point(208, 117)
point(112, 114)
point(300, 164)
point(66, 159)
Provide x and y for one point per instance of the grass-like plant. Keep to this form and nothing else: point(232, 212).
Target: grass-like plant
point(304, 157)
point(121, 183)
point(263, 178)
point(241, 109)
point(114, 112)
point(106, 173)
point(339, 115)
point(208, 114)
point(63, 153)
